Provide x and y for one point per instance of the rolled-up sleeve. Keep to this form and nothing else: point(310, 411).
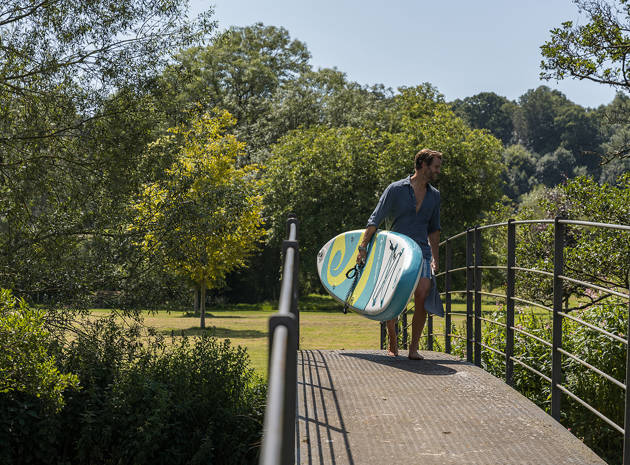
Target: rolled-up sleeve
point(382, 209)
point(434, 222)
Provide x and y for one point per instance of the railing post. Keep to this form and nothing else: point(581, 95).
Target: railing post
point(469, 295)
point(509, 294)
point(447, 289)
point(477, 296)
point(429, 331)
point(626, 423)
point(558, 294)
point(404, 330)
point(383, 335)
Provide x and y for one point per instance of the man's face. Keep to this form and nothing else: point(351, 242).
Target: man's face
point(432, 171)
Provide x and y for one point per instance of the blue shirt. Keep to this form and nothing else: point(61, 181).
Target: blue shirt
point(398, 203)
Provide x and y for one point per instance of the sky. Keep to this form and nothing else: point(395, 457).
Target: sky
point(462, 47)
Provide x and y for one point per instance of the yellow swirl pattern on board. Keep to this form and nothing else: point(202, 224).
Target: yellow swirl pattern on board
point(367, 269)
point(340, 246)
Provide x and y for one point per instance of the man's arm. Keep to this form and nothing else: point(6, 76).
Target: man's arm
point(434, 242)
point(378, 215)
point(367, 237)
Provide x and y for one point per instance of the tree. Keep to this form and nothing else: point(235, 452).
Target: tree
point(470, 182)
point(536, 121)
point(327, 177)
point(326, 97)
point(580, 134)
point(554, 168)
point(332, 177)
point(69, 73)
point(597, 51)
point(490, 111)
point(546, 120)
point(597, 255)
point(616, 135)
point(239, 71)
point(204, 219)
point(520, 168)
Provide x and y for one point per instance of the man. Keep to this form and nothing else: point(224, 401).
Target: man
point(414, 206)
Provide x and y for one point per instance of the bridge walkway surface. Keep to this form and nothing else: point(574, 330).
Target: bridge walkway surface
point(364, 407)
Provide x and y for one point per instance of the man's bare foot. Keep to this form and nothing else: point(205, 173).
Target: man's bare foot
point(415, 355)
point(392, 351)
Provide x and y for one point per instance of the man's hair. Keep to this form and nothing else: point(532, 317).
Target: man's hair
point(426, 156)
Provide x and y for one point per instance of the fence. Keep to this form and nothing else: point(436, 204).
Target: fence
point(279, 431)
point(474, 319)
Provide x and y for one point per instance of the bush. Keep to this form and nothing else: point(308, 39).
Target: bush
point(140, 401)
point(589, 345)
point(31, 385)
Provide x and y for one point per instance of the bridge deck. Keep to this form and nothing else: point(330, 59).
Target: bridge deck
point(363, 407)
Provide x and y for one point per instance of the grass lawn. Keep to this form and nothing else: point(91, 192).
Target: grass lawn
point(322, 325)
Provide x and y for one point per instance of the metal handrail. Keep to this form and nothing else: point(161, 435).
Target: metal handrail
point(278, 442)
point(596, 328)
point(594, 286)
point(474, 319)
point(546, 273)
point(539, 339)
point(623, 227)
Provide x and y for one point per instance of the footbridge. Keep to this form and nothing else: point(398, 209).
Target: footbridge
point(365, 407)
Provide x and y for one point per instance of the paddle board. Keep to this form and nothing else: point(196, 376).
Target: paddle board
point(387, 281)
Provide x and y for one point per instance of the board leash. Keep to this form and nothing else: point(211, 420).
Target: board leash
point(354, 274)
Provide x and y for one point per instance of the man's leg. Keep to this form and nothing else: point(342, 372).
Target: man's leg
point(419, 317)
point(393, 340)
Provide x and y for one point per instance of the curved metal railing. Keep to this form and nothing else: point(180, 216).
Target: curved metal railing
point(474, 318)
point(279, 430)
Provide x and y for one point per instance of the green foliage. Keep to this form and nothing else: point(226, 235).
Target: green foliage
point(554, 168)
point(26, 365)
point(490, 111)
point(204, 218)
point(195, 401)
point(140, 401)
point(325, 97)
point(601, 351)
point(520, 170)
point(596, 50)
point(32, 387)
point(545, 120)
point(470, 181)
point(597, 255)
point(74, 78)
point(332, 177)
point(240, 71)
point(616, 132)
point(325, 176)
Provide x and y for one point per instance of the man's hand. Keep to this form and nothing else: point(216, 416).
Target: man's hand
point(434, 265)
point(361, 256)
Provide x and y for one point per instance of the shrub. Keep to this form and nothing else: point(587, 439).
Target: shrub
point(141, 401)
point(31, 385)
point(193, 401)
point(587, 344)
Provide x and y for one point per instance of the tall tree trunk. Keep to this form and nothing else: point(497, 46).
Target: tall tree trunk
point(196, 300)
point(203, 306)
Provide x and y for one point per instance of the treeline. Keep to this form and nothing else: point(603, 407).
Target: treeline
point(549, 139)
point(111, 155)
